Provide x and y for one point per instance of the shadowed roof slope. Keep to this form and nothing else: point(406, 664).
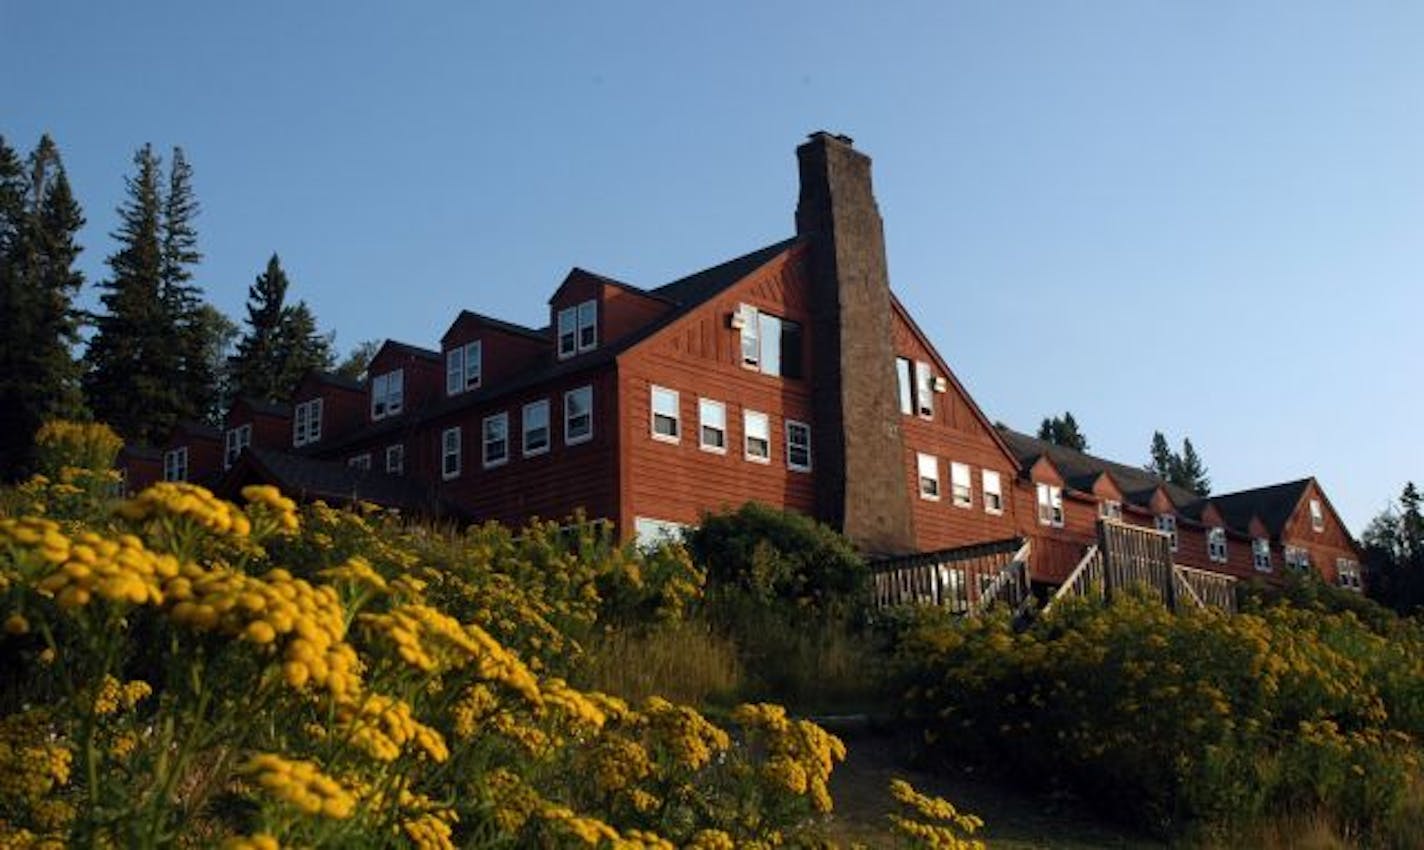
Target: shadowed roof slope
point(1273, 505)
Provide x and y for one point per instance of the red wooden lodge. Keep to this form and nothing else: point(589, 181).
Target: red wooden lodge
point(791, 375)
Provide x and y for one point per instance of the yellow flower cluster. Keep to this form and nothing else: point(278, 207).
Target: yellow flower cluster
point(276, 606)
point(32, 763)
point(382, 726)
point(937, 824)
point(686, 734)
point(302, 784)
point(269, 500)
point(574, 706)
point(800, 754)
point(181, 500)
point(432, 641)
point(85, 565)
point(112, 695)
point(616, 763)
point(358, 571)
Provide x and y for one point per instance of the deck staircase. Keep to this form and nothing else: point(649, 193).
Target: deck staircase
point(1130, 556)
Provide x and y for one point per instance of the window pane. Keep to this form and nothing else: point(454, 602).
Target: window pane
point(568, 319)
point(578, 416)
point(474, 364)
point(712, 419)
point(588, 325)
point(751, 344)
point(758, 431)
point(769, 330)
point(665, 412)
point(798, 445)
point(790, 349)
point(902, 376)
point(924, 388)
point(454, 371)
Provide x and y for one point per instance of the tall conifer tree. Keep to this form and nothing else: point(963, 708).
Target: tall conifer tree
point(256, 367)
point(39, 225)
point(182, 300)
point(132, 381)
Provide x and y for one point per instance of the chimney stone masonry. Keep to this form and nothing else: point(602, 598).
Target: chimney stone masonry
point(860, 449)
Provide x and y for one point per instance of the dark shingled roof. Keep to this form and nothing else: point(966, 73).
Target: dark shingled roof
point(198, 429)
point(413, 350)
point(307, 479)
point(541, 334)
point(335, 380)
point(1080, 468)
point(1273, 505)
point(267, 408)
point(141, 452)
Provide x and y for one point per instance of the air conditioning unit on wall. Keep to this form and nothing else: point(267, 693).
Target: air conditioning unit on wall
point(941, 385)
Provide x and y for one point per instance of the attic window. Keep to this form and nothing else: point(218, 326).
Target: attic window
point(770, 344)
point(1167, 524)
point(237, 439)
point(578, 329)
point(1050, 505)
point(1216, 545)
point(463, 367)
point(1261, 554)
point(1110, 509)
point(1317, 515)
point(924, 389)
point(388, 394)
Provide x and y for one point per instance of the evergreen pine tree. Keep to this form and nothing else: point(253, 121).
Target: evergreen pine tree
point(256, 367)
point(14, 430)
point(1063, 431)
point(1190, 472)
point(300, 347)
point(182, 300)
point(132, 382)
point(1163, 461)
point(356, 361)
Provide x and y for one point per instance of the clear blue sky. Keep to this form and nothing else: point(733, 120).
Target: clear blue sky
point(1199, 217)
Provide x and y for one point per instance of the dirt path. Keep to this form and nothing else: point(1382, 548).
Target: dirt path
point(1016, 820)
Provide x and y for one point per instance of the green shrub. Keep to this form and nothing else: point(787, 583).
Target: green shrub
point(1193, 721)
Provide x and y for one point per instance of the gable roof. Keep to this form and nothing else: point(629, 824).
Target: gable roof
point(576, 272)
point(539, 335)
point(1273, 505)
point(332, 379)
point(265, 408)
point(406, 348)
point(1137, 485)
point(306, 478)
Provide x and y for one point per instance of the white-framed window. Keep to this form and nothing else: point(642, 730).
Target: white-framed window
point(361, 462)
point(1261, 554)
point(395, 459)
point(757, 427)
point(464, 366)
point(536, 427)
point(496, 439)
point(1110, 509)
point(1317, 515)
point(924, 389)
point(904, 385)
point(306, 423)
point(235, 441)
point(1167, 524)
point(928, 466)
point(388, 394)
point(578, 416)
point(1298, 558)
point(451, 440)
point(1348, 573)
point(770, 344)
point(649, 533)
point(175, 464)
point(1216, 545)
point(1050, 505)
point(961, 485)
point(711, 426)
point(578, 329)
point(993, 491)
point(798, 446)
point(667, 416)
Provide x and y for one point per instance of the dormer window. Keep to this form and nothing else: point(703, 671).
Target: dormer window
point(1261, 554)
point(464, 365)
point(578, 329)
point(770, 344)
point(387, 394)
point(306, 423)
point(1110, 509)
point(175, 464)
point(1317, 515)
point(1050, 505)
point(236, 440)
point(1216, 545)
point(1167, 524)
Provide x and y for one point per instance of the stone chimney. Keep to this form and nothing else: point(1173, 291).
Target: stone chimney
point(860, 461)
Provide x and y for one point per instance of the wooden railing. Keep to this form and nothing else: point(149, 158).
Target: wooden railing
point(965, 580)
point(1130, 556)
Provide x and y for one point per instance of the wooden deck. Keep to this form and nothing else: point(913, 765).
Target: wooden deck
point(1130, 556)
point(965, 580)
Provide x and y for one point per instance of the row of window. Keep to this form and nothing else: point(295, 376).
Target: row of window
point(535, 439)
point(712, 429)
point(961, 487)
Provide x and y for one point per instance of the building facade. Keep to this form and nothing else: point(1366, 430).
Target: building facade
point(790, 375)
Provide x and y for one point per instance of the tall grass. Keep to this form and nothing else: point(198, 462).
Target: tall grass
point(686, 662)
